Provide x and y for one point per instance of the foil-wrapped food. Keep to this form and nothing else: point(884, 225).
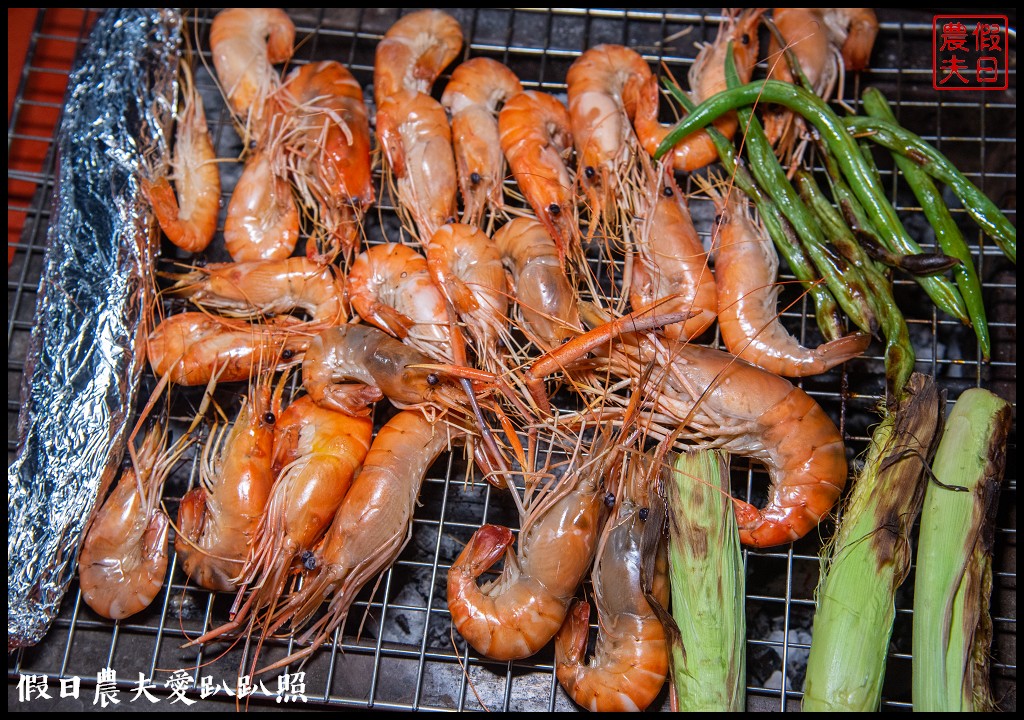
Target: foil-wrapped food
point(81, 375)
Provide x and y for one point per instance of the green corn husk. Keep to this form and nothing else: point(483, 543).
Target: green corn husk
point(953, 581)
point(869, 558)
point(708, 586)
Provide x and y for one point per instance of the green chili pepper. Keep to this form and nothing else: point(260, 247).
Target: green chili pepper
point(844, 148)
point(905, 143)
point(899, 351)
point(947, 233)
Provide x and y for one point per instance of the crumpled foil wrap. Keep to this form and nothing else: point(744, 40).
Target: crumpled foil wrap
point(86, 354)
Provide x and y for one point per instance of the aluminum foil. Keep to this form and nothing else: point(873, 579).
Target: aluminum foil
point(84, 362)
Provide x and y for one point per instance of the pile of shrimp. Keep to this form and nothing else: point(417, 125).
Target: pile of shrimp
point(537, 312)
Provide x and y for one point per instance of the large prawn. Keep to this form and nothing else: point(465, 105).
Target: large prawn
point(123, 561)
point(515, 615)
point(262, 221)
point(414, 51)
point(546, 298)
point(264, 288)
point(390, 286)
point(413, 131)
point(603, 87)
point(323, 134)
point(192, 348)
point(746, 266)
point(217, 520)
point(246, 43)
point(723, 402)
point(466, 265)
point(474, 95)
point(631, 656)
point(188, 219)
point(672, 261)
point(707, 77)
point(317, 451)
point(536, 137)
point(372, 526)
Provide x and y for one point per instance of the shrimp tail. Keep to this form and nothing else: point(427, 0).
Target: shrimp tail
point(154, 541)
point(165, 206)
point(395, 322)
point(391, 142)
point(192, 514)
point(485, 548)
point(355, 399)
point(845, 348)
point(571, 641)
point(154, 554)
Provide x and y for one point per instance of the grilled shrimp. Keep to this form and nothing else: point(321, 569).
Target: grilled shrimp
point(246, 43)
point(217, 520)
point(262, 222)
point(268, 287)
point(188, 219)
point(707, 77)
point(466, 265)
point(380, 366)
point(536, 137)
point(672, 260)
point(413, 131)
point(516, 614)
point(746, 266)
point(390, 286)
point(123, 561)
point(323, 134)
point(603, 86)
point(473, 97)
point(631, 656)
point(546, 298)
point(318, 452)
point(370, 529)
point(750, 412)
point(413, 53)
point(723, 402)
point(192, 348)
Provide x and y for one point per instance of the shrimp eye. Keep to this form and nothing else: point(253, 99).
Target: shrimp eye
point(201, 262)
point(554, 209)
point(433, 379)
point(644, 512)
point(450, 221)
point(308, 560)
point(609, 500)
point(474, 178)
point(269, 418)
point(287, 353)
point(745, 39)
point(668, 192)
point(589, 171)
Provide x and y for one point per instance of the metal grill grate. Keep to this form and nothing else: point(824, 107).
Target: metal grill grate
point(404, 655)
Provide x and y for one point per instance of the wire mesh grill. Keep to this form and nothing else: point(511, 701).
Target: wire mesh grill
point(398, 650)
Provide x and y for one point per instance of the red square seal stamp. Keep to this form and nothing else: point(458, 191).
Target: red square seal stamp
point(969, 52)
